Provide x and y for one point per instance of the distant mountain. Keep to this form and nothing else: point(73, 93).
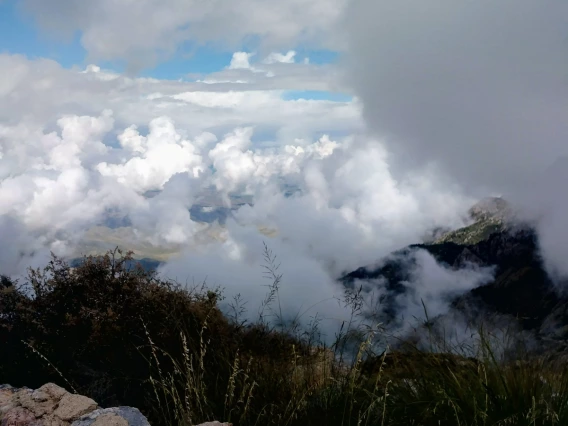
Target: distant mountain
point(521, 288)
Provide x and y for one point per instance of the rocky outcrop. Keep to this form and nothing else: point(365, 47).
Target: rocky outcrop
point(51, 405)
point(117, 416)
point(215, 423)
point(489, 216)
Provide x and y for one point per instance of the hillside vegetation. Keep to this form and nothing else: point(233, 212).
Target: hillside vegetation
point(123, 336)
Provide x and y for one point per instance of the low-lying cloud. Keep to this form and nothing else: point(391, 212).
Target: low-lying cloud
point(453, 100)
point(346, 209)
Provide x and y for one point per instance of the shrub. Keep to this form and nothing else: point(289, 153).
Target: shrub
point(104, 327)
point(92, 323)
point(123, 336)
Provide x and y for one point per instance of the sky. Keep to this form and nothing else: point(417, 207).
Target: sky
point(390, 118)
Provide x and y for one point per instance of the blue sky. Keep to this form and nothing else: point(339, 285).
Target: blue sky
point(316, 95)
point(20, 35)
point(209, 59)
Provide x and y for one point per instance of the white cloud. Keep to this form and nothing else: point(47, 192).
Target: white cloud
point(163, 154)
point(67, 159)
point(71, 161)
point(164, 220)
point(232, 99)
point(347, 198)
point(112, 29)
point(470, 90)
point(196, 107)
point(306, 288)
point(275, 57)
point(432, 286)
point(240, 60)
point(279, 76)
point(350, 212)
point(25, 250)
point(215, 81)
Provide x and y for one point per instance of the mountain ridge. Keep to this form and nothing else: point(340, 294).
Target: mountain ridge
point(521, 289)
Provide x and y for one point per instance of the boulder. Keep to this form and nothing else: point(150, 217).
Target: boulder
point(52, 405)
point(117, 416)
point(71, 407)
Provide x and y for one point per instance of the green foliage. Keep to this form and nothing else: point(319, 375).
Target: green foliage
point(90, 322)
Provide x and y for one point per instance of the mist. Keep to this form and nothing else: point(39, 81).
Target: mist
point(477, 88)
point(451, 102)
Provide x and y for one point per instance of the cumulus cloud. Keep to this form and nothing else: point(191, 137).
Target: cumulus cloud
point(478, 88)
point(240, 60)
point(44, 178)
point(162, 154)
point(325, 202)
point(348, 211)
point(274, 57)
point(67, 160)
point(39, 92)
point(346, 208)
point(164, 220)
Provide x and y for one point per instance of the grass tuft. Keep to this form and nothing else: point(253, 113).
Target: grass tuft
point(123, 336)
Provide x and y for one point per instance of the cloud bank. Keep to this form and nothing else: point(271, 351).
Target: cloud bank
point(478, 88)
point(453, 100)
point(326, 203)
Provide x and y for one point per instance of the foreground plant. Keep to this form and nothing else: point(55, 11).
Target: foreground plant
point(123, 336)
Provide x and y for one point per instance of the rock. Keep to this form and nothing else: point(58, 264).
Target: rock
point(54, 391)
point(215, 423)
point(38, 402)
point(51, 405)
point(51, 420)
point(19, 416)
point(71, 407)
point(110, 420)
point(491, 207)
point(118, 416)
point(6, 395)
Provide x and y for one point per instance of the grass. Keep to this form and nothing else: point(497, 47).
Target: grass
point(124, 337)
point(396, 388)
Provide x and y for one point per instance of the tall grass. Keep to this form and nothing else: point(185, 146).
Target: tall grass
point(447, 383)
point(397, 388)
point(124, 337)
